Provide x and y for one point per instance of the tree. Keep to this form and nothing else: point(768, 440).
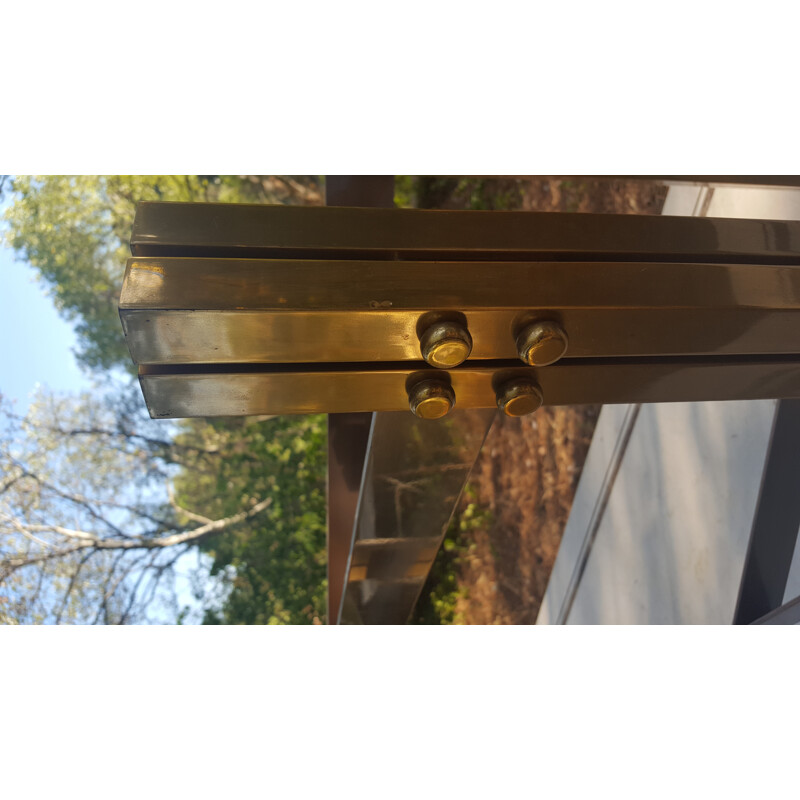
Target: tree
point(98, 503)
point(81, 512)
point(273, 568)
point(74, 231)
point(91, 527)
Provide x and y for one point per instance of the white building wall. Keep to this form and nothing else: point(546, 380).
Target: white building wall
point(662, 515)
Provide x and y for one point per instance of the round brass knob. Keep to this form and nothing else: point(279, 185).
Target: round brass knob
point(445, 344)
point(542, 343)
point(519, 397)
point(431, 399)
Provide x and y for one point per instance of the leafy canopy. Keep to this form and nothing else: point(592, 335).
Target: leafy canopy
point(75, 230)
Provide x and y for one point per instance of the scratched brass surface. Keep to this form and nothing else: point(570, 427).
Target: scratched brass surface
point(280, 285)
point(414, 474)
point(299, 232)
point(186, 310)
point(283, 389)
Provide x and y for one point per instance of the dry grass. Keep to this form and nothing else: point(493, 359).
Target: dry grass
point(526, 476)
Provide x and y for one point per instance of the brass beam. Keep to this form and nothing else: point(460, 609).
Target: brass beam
point(197, 310)
point(196, 391)
point(232, 230)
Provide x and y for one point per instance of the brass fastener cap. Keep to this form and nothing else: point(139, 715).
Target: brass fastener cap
point(519, 397)
point(431, 399)
point(542, 343)
point(445, 344)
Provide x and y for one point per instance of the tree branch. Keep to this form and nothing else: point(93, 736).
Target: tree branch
point(190, 514)
point(72, 580)
point(89, 540)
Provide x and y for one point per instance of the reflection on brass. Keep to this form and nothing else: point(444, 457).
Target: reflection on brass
point(172, 391)
point(519, 397)
point(431, 399)
point(249, 310)
point(446, 345)
point(237, 231)
point(542, 343)
point(204, 310)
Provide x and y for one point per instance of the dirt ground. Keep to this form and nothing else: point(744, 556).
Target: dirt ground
point(528, 470)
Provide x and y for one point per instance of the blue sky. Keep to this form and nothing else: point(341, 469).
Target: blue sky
point(36, 343)
point(36, 348)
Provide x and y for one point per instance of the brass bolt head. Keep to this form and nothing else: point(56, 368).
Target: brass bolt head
point(519, 397)
point(431, 399)
point(445, 344)
point(542, 343)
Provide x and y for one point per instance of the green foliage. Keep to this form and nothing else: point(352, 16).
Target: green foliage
point(405, 191)
point(438, 604)
point(270, 569)
point(63, 227)
point(485, 195)
point(75, 230)
point(85, 465)
point(434, 192)
point(273, 567)
point(476, 194)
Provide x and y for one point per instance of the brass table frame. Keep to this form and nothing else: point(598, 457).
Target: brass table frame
point(251, 310)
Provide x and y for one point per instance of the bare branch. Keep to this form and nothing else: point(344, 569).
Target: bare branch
point(21, 529)
point(89, 540)
point(67, 533)
point(190, 514)
point(119, 433)
point(72, 498)
point(72, 581)
point(108, 594)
